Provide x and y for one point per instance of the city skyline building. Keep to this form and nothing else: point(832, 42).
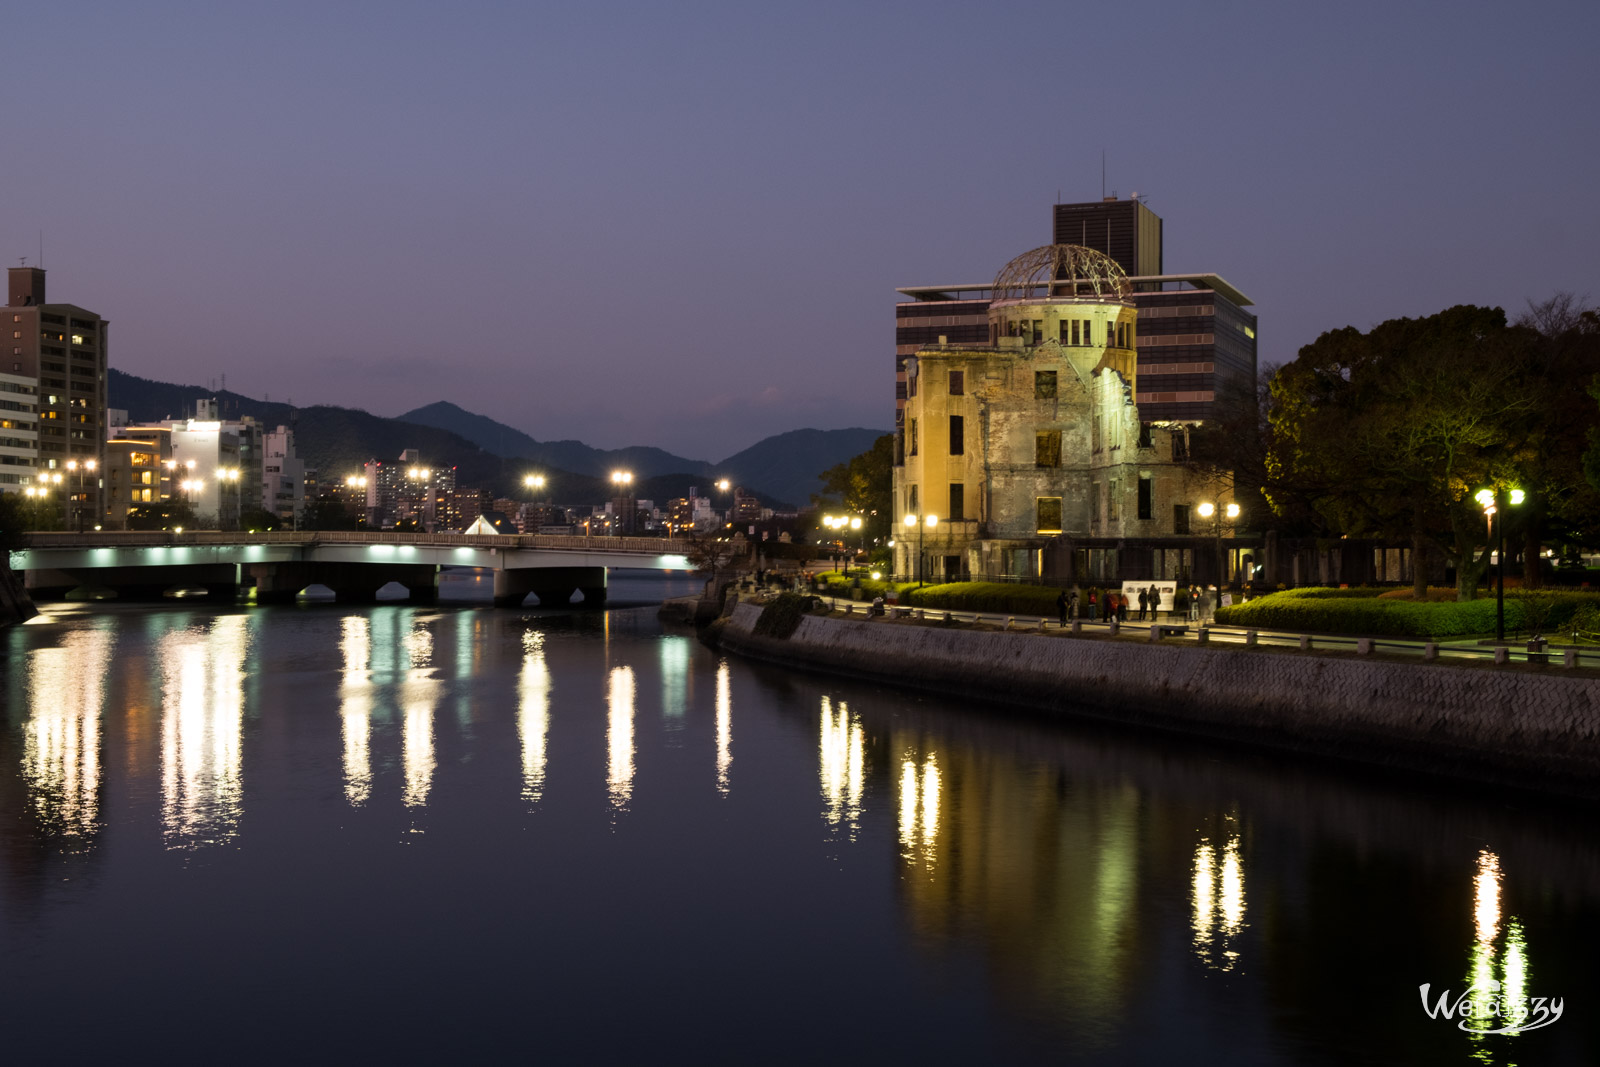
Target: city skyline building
point(61, 350)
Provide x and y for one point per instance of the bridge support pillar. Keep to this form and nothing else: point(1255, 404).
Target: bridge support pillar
point(553, 586)
point(277, 583)
point(511, 588)
point(422, 584)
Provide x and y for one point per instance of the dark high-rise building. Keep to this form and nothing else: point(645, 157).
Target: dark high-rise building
point(1196, 341)
point(62, 347)
point(1125, 230)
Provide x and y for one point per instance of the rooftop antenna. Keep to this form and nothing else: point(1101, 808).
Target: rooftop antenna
point(1102, 174)
point(41, 250)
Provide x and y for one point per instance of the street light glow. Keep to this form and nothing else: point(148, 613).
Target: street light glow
point(1206, 509)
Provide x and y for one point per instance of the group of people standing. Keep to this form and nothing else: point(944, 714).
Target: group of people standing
point(1114, 604)
point(1195, 604)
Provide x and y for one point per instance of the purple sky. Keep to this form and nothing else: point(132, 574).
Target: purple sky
point(682, 224)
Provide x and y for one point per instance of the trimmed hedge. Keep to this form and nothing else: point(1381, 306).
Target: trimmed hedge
point(1382, 615)
point(1000, 597)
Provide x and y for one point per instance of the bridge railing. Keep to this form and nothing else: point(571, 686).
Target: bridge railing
point(145, 538)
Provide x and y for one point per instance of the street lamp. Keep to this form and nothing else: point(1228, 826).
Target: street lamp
point(1208, 510)
point(1490, 500)
point(623, 480)
point(925, 522)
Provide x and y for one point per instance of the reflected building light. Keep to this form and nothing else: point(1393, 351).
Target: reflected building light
point(1205, 896)
point(1483, 969)
point(202, 728)
point(1219, 902)
point(619, 737)
point(724, 725)
point(355, 707)
point(930, 804)
point(533, 715)
point(61, 739)
point(842, 759)
point(418, 694)
point(1486, 896)
point(919, 809)
point(674, 679)
point(908, 807)
point(1230, 897)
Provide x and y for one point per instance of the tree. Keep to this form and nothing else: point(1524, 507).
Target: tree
point(712, 556)
point(1561, 503)
point(164, 516)
point(863, 485)
point(1389, 433)
point(255, 519)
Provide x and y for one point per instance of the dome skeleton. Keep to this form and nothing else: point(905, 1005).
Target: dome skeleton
point(1062, 271)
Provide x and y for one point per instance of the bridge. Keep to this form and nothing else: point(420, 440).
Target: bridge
point(355, 565)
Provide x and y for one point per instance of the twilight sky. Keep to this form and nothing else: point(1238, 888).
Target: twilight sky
point(682, 224)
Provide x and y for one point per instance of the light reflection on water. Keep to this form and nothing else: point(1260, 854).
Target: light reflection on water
point(619, 736)
point(1081, 897)
point(355, 707)
point(533, 714)
point(724, 726)
point(418, 695)
point(841, 766)
point(202, 723)
point(61, 747)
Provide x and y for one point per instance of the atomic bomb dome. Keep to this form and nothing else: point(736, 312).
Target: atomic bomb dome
point(1062, 271)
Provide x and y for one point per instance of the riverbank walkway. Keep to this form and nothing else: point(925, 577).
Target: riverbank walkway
point(1179, 631)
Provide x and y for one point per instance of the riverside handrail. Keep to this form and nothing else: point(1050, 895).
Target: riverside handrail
point(1570, 656)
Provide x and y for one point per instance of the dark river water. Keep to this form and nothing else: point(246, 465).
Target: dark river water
point(319, 833)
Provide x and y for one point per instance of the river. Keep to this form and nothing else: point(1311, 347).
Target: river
point(318, 833)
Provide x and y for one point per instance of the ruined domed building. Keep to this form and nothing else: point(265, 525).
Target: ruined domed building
point(1025, 455)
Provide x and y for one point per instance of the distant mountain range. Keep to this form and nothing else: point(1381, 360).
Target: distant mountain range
point(783, 470)
point(787, 465)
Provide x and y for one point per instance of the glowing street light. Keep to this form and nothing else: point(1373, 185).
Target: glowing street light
point(1208, 510)
point(919, 524)
point(1490, 500)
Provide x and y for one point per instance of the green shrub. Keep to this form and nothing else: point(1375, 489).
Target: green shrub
point(1322, 592)
point(781, 617)
point(1368, 615)
point(998, 597)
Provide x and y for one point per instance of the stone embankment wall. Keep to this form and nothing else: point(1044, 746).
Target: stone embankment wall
point(15, 603)
point(1536, 728)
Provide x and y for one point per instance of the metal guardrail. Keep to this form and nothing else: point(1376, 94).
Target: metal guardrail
point(144, 538)
point(1198, 633)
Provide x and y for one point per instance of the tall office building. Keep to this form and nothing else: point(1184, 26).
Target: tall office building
point(61, 350)
point(1196, 340)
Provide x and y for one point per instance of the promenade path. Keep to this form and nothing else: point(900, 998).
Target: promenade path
point(1203, 633)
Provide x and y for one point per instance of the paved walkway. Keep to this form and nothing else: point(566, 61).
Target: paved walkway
point(1196, 633)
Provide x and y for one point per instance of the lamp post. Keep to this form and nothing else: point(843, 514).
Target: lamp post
point(924, 522)
point(623, 480)
point(1209, 510)
point(1492, 502)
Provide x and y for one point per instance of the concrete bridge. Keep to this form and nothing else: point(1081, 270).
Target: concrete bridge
point(355, 565)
